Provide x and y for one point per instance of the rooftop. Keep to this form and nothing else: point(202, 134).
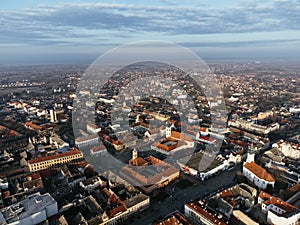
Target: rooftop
point(135, 200)
point(73, 151)
point(199, 207)
point(207, 162)
point(174, 218)
point(259, 171)
point(25, 208)
point(271, 200)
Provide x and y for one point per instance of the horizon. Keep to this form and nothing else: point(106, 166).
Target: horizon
point(72, 62)
point(50, 32)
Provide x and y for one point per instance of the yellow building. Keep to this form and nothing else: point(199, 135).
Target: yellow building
point(46, 162)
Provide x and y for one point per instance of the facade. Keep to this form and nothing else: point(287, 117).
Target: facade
point(46, 162)
point(173, 142)
point(258, 175)
point(239, 195)
point(92, 128)
point(92, 139)
point(99, 150)
point(278, 211)
point(169, 145)
point(149, 173)
point(198, 214)
point(53, 116)
point(248, 126)
point(288, 149)
point(35, 209)
point(174, 218)
point(130, 206)
point(215, 164)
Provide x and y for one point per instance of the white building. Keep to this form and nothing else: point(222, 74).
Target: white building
point(278, 211)
point(197, 213)
point(53, 116)
point(35, 209)
point(82, 141)
point(249, 126)
point(99, 150)
point(92, 128)
point(45, 162)
point(289, 149)
point(106, 101)
point(258, 175)
point(255, 173)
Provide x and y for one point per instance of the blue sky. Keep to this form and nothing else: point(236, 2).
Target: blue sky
point(73, 31)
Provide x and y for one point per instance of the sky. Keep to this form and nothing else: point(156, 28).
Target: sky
point(55, 31)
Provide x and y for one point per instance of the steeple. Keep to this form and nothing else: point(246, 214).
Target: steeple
point(251, 153)
point(134, 154)
point(168, 129)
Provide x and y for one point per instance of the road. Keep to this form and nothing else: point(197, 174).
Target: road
point(182, 196)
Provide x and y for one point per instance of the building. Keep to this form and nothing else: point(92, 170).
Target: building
point(217, 211)
point(83, 141)
point(46, 162)
point(228, 203)
point(169, 145)
point(33, 184)
point(258, 175)
point(255, 128)
point(99, 150)
point(244, 218)
point(204, 165)
point(288, 149)
point(124, 209)
point(240, 195)
point(33, 126)
point(265, 115)
point(92, 128)
point(255, 173)
point(105, 207)
point(278, 211)
point(148, 173)
point(53, 116)
point(174, 218)
point(35, 209)
point(173, 142)
point(197, 212)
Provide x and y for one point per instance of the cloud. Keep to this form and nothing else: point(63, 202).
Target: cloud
point(111, 23)
point(230, 44)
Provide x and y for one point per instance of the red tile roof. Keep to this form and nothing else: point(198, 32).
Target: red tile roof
point(98, 148)
point(174, 219)
point(196, 206)
point(179, 135)
point(259, 171)
point(117, 210)
point(33, 126)
point(138, 162)
point(292, 145)
point(49, 157)
point(226, 193)
point(271, 200)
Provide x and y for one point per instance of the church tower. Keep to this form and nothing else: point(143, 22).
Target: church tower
point(137, 119)
point(134, 154)
point(251, 154)
point(168, 129)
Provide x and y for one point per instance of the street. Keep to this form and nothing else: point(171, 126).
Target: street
point(182, 196)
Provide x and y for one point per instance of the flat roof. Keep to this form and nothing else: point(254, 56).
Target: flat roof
point(27, 207)
point(194, 161)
